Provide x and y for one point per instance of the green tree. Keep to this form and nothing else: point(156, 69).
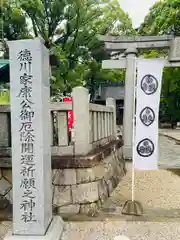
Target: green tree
point(170, 100)
point(13, 22)
point(95, 75)
point(164, 18)
point(70, 30)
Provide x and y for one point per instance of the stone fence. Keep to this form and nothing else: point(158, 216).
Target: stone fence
point(86, 165)
point(94, 125)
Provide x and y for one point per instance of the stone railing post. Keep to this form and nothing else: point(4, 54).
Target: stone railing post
point(4, 126)
point(81, 120)
point(111, 102)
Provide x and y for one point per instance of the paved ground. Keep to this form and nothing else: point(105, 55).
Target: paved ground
point(169, 151)
point(175, 133)
point(159, 193)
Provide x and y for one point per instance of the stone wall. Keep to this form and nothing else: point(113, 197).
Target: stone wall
point(80, 184)
point(84, 190)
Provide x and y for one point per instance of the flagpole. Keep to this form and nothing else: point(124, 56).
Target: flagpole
point(133, 135)
point(132, 195)
point(133, 207)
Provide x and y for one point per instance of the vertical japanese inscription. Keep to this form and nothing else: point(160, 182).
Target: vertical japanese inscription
point(27, 138)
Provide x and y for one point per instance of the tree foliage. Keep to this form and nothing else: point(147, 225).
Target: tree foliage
point(70, 29)
point(164, 18)
point(13, 22)
point(170, 100)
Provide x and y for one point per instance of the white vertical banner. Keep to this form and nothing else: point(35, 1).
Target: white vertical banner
point(148, 90)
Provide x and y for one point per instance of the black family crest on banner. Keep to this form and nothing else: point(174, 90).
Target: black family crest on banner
point(148, 90)
point(145, 148)
point(147, 116)
point(149, 85)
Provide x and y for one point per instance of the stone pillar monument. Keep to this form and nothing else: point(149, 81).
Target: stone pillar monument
point(31, 152)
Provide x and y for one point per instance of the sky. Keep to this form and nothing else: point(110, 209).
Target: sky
point(137, 9)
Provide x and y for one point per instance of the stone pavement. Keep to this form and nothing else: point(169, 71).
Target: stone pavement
point(169, 150)
point(171, 133)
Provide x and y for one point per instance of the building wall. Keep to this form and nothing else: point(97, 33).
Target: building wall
point(115, 92)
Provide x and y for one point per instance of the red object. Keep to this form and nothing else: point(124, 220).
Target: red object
point(70, 113)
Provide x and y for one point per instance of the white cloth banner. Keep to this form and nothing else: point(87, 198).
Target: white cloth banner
point(148, 90)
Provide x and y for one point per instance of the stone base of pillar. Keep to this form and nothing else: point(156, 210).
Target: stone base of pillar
point(54, 232)
point(127, 152)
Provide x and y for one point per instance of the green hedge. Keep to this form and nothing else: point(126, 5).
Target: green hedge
point(4, 97)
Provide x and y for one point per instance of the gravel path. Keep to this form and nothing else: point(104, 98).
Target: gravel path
point(154, 189)
point(4, 227)
point(106, 230)
point(133, 230)
point(158, 191)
